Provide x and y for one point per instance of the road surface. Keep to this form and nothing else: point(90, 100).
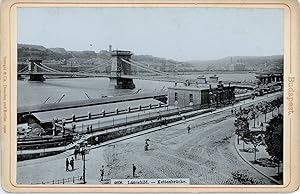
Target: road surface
point(206, 155)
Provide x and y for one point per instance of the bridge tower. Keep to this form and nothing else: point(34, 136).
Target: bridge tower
point(33, 70)
point(120, 68)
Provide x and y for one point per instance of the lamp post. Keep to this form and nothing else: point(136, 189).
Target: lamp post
point(85, 149)
point(210, 98)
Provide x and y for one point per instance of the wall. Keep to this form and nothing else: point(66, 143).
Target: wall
point(183, 96)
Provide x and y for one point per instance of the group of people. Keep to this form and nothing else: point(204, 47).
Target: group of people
point(70, 163)
point(163, 120)
point(77, 151)
point(89, 129)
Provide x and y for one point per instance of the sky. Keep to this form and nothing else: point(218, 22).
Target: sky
point(175, 33)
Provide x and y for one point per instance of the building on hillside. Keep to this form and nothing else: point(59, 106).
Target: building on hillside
point(239, 67)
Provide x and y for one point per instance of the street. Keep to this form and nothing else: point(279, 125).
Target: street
point(206, 155)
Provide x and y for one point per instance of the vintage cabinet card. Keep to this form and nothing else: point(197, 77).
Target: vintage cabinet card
point(150, 96)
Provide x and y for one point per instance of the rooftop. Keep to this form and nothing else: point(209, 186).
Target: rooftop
point(195, 86)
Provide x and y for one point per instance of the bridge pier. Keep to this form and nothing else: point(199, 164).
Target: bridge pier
point(122, 83)
point(119, 68)
point(33, 69)
point(36, 77)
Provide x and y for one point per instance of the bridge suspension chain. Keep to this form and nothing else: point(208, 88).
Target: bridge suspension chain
point(177, 77)
point(94, 68)
point(138, 64)
point(51, 69)
point(147, 67)
point(42, 68)
point(26, 67)
point(144, 67)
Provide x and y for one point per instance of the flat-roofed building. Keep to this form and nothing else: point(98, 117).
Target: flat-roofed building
point(216, 94)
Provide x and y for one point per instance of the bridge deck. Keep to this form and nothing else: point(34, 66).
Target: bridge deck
point(101, 75)
point(90, 102)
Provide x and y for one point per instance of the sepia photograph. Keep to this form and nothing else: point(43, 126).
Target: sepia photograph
point(150, 95)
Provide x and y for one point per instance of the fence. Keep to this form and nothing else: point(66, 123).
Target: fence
point(64, 180)
point(104, 113)
point(137, 118)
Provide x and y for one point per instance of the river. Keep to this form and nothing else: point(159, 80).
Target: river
point(33, 93)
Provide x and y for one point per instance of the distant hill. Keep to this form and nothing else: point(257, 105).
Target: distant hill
point(26, 51)
point(250, 62)
point(88, 58)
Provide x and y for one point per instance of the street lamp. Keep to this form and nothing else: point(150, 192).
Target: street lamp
point(210, 98)
point(85, 149)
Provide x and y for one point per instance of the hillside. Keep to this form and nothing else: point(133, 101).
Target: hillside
point(250, 62)
point(90, 58)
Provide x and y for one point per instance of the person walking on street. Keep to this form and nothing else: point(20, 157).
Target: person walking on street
point(72, 163)
point(75, 152)
point(67, 164)
point(133, 170)
point(189, 128)
point(101, 173)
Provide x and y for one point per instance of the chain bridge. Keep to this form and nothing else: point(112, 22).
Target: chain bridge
point(121, 75)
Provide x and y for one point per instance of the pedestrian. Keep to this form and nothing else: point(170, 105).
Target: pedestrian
point(72, 163)
point(161, 122)
point(133, 170)
point(101, 173)
point(87, 129)
point(189, 128)
point(91, 128)
point(146, 144)
point(146, 147)
point(75, 152)
point(67, 164)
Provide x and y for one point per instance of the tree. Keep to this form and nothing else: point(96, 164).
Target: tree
point(255, 140)
point(242, 128)
point(278, 103)
point(274, 139)
point(263, 109)
point(238, 129)
point(246, 135)
point(253, 116)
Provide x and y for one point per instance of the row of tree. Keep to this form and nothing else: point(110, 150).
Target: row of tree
point(254, 111)
point(271, 137)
